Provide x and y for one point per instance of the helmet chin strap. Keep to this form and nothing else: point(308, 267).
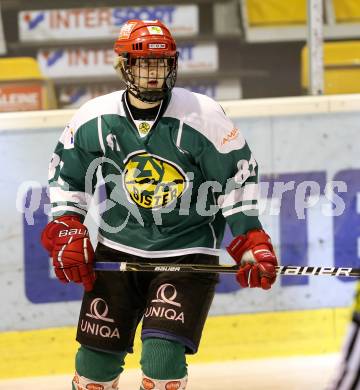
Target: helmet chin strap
point(148, 96)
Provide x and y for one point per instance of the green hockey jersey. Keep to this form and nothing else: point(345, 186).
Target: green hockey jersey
point(169, 186)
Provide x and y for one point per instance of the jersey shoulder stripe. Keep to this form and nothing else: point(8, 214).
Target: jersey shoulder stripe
point(207, 117)
point(84, 125)
point(101, 105)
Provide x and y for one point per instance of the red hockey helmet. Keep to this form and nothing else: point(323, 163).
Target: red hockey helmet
point(138, 42)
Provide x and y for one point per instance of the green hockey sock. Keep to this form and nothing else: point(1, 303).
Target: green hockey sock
point(98, 366)
point(163, 359)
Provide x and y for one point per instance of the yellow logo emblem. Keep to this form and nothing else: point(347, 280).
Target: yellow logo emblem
point(144, 127)
point(153, 182)
point(155, 30)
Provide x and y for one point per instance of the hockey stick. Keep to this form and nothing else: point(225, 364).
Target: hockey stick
point(290, 270)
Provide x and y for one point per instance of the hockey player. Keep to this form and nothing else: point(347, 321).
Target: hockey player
point(175, 171)
point(348, 375)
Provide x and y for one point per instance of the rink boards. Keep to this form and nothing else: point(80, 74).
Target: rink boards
point(307, 149)
point(245, 336)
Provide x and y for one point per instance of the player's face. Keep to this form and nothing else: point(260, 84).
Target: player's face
point(150, 73)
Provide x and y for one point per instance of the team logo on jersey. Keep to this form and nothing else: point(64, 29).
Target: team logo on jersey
point(144, 127)
point(153, 182)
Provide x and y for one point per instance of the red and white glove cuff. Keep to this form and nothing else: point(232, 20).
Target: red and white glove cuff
point(243, 243)
point(51, 229)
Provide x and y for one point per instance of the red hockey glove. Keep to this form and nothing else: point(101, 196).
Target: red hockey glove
point(67, 241)
point(255, 255)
